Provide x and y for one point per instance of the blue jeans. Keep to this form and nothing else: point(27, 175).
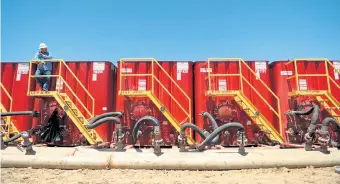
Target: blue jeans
point(43, 81)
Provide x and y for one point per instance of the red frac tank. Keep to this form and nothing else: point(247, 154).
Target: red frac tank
point(14, 77)
point(168, 73)
point(98, 78)
point(284, 82)
point(223, 108)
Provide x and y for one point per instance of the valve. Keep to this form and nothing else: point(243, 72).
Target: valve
point(309, 142)
point(27, 143)
point(2, 140)
point(157, 140)
point(182, 140)
point(241, 141)
point(119, 136)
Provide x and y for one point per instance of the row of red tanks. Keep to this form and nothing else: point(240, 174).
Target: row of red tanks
point(181, 87)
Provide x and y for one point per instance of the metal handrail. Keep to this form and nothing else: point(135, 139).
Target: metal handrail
point(152, 60)
point(8, 95)
point(240, 62)
point(326, 74)
point(61, 61)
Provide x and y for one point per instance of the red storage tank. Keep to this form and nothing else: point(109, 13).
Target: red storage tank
point(168, 73)
point(224, 108)
point(14, 77)
point(284, 82)
point(335, 75)
point(99, 80)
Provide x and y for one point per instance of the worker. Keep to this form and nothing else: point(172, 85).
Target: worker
point(44, 67)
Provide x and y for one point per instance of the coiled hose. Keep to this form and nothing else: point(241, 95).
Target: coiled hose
point(217, 131)
point(193, 127)
point(324, 130)
point(138, 124)
point(94, 124)
point(315, 110)
point(214, 124)
point(108, 114)
point(20, 113)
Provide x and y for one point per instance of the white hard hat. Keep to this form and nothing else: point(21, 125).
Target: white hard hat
point(42, 45)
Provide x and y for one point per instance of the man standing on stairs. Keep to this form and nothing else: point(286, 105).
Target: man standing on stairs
point(44, 67)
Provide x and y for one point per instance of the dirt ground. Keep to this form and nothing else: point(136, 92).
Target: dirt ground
point(256, 176)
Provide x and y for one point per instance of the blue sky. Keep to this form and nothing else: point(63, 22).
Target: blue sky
point(88, 30)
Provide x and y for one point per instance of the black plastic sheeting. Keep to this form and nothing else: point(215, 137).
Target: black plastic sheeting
point(51, 132)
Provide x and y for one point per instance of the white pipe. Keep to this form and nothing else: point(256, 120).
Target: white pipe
point(219, 160)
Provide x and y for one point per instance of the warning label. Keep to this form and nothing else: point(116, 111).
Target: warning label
point(222, 85)
point(303, 84)
point(182, 67)
point(141, 84)
point(286, 72)
point(260, 67)
point(337, 66)
point(98, 67)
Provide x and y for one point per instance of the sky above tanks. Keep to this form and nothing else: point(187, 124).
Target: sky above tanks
point(86, 30)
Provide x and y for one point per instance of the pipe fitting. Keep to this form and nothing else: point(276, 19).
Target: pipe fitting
point(33, 113)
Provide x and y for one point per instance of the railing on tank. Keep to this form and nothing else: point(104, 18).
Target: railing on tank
point(244, 79)
point(61, 80)
point(154, 63)
point(326, 74)
point(8, 124)
point(7, 96)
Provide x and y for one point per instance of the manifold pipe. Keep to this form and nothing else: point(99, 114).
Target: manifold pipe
point(103, 120)
point(138, 124)
point(217, 131)
point(289, 158)
point(108, 114)
point(214, 124)
point(21, 113)
point(193, 127)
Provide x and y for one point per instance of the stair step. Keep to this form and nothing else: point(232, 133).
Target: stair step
point(75, 111)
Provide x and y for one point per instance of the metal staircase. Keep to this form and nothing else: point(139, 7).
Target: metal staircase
point(244, 102)
point(7, 126)
point(323, 96)
point(150, 92)
point(64, 96)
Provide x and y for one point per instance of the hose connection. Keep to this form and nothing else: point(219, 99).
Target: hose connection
point(182, 141)
point(27, 143)
point(119, 138)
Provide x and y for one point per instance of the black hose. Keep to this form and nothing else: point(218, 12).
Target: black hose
point(214, 124)
point(315, 117)
point(217, 131)
point(325, 128)
point(138, 124)
point(13, 138)
point(194, 127)
point(308, 112)
point(108, 114)
point(326, 122)
point(103, 120)
point(21, 113)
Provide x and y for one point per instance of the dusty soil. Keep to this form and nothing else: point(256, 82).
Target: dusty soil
point(270, 176)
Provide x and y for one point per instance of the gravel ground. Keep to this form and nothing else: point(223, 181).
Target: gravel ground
point(117, 176)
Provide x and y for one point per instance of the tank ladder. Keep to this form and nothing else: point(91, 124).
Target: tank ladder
point(63, 97)
point(323, 96)
point(7, 126)
point(150, 93)
point(244, 102)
